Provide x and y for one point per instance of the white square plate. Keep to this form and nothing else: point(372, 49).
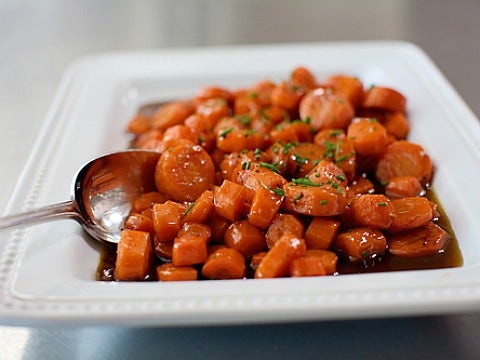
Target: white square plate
point(47, 272)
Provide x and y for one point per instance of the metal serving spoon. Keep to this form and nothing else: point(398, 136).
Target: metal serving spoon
point(102, 194)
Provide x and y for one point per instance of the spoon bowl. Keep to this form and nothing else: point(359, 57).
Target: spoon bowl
point(102, 195)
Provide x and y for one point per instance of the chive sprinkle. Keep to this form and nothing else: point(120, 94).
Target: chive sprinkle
point(225, 132)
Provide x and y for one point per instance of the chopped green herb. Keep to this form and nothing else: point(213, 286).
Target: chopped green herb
point(257, 153)
point(382, 204)
point(305, 181)
point(340, 101)
point(244, 119)
point(335, 133)
point(298, 197)
point(341, 177)
point(277, 191)
point(225, 132)
point(189, 208)
point(244, 151)
point(273, 167)
point(341, 158)
point(300, 160)
point(288, 146)
point(252, 95)
point(323, 202)
point(246, 165)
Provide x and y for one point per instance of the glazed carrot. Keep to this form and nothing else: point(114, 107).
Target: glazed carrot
point(360, 185)
point(338, 149)
point(218, 225)
point(140, 222)
point(195, 229)
point(173, 113)
point(303, 77)
point(403, 158)
point(303, 158)
point(369, 137)
point(246, 238)
point(139, 124)
point(229, 200)
point(167, 145)
point(134, 255)
point(287, 95)
point(264, 206)
point(180, 132)
point(410, 212)
point(261, 175)
point(281, 224)
point(403, 186)
point(277, 260)
point(325, 172)
point(397, 124)
point(329, 259)
point(426, 240)
point(360, 243)
point(314, 200)
point(146, 200)
point(321, 232)
point(201, 209)
point(384, 98)
point(274, 114)
point(184, 172)
point(256, 259)
point(167, 218)
point(212, 110)
point(291, 132)
point(346, 87)
point(237, 140)
point(374, 210)
point(224, 263)
point(212, 92)
point(169, 272)
point(163, 250)
point(149, 139)
point(189, 249)
point(306, 266)
point(325, 110)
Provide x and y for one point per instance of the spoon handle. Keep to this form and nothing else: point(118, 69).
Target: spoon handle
point(67, 209)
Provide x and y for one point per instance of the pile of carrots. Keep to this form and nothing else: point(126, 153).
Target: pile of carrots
point(279, 179)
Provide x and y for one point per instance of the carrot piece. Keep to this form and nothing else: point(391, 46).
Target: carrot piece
point(410, 212)
point(303, 77)
point(224, 263)
point(139, 124)
point(201, 209)
point(329, 259)
point(369, 137)
point(281, 224)
point(173, 113)
point(218, 225)
point(212, 110)
point(277, 260)
point(146, 200)
point(326, 110)
point(403, 186)
point(237, 140)
point(212, 92)
point(302, 159)
point(397, 124)
point(166, 220)
point(426, 240)
point(403, 158)
point(307, 266)
point(346, 87)
point(326, 172)
point(257, 259)
point(169, 272)
point(361, 243)
point(184, 172)
point(180, 132)
point(291, 132)
point(321, 232)
point(384, 98)
point(139, 222)
point(196, 229)
point(264, 206)
point(229, 200)
point(245, 238)
point(134, 255)
point(374, 210)
point(162, 249)
point(261, 176)
point(360, 185)
point(314, 200)
point(189, 249)
point(286, 95)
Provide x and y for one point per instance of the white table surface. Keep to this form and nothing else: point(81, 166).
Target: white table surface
point(41, 38)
